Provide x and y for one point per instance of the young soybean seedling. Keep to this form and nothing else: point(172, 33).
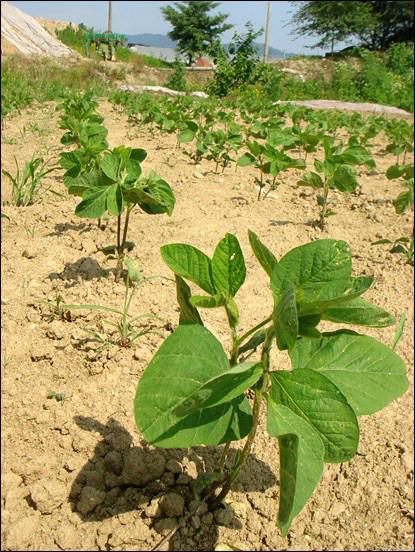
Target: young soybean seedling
point(193, 393)
point(126, 332)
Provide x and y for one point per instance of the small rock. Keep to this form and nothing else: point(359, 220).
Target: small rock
point(28, 254)
point(142, 467)
point(67, 537)
point(407, 460)
point(48, 495)
point(168, 479)
point(224, 516)
point(153, 510)
point(10, 481)
point(90, 498)
point(239, 509)
point(207, 519)
point(172, 505)
point(173, 466)
point(197, 174)
point(55, 330)
point(195, 522)
point(164, 526)
point(112, 480)
point(183, 479)
point(21, 535)
point(337, 509)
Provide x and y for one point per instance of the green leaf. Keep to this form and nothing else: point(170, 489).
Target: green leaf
point(138, 154)
point(186, 361)
point(369, 374)
point(133, 270)
point(395, 171)
point(318, 262)
point(311, 179)
point(357, 155)
point(307, 325)
point(314, 298)
point(285, 319)
point(256, 340)
point(403, 202)
point(208, 302)
point(110, 166)
point(114, 200)
point(157, 189)
point(301, 459)
point(265, 257)
point(246, 160)
point(228, 266)
point(344, 178)
point(188, 313)
point(399, 331)
point(93, 204)
point(359, 312)
point(222, 388)
point(317, 400)
point(191, 263)
point(186, 136)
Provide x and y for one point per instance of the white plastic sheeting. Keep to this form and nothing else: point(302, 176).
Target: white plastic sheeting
point(27, 35)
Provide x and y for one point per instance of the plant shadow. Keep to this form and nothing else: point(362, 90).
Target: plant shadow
point(85, 269)
point(121, 477)
point(62, 228)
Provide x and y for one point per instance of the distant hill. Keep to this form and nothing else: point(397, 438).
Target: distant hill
point(163, 41)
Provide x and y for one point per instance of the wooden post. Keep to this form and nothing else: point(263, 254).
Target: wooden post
point(267, 32)
point(110, 16)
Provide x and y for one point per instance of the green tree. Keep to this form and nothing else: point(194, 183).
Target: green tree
point(194, 29)
point(376, 24)
point(332, 22)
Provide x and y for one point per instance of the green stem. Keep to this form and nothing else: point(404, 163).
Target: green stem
point(324, 208)
point(253, 330)
point(223, 457)
point(260, 388)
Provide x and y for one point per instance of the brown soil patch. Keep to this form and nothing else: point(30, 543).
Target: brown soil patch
point(62, 462)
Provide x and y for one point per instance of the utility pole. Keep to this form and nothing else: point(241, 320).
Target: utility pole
point(267, 32)
point(110, 16)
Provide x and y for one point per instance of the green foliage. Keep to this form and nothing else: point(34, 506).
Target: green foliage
point(74, 38)
point(193, 28)
point(177, 81)
point(239, 66)
point(125, 327)
point(27, 186)
point(193, 394)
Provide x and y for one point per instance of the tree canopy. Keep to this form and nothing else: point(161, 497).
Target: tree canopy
point(376, 24)
point(194, 29)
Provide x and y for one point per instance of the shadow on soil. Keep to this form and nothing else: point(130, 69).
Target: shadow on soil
point(63, 228)
point(85, 269)
point(104, 489)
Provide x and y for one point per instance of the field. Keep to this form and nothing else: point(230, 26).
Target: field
point(69, 435)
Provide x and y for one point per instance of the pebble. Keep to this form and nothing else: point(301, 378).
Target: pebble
point(197, 175)
point(224, 516)
point(172, 505)
point(173, 466)
point(141, 467)
point(164, 526)
point(90, 498)
point(337, 509)
point(48, 495)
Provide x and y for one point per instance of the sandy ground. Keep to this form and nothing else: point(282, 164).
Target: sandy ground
point(64, 463)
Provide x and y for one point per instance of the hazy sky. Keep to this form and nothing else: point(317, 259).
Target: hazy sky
point(145, 17)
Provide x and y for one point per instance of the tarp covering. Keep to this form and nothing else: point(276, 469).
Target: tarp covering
point(27, 35)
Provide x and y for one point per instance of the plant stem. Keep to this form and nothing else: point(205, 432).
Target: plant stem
point(223, 457)
point(324, 208)
point(260, 388)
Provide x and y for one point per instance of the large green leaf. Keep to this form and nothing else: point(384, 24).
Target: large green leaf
point(317, 262)
point(344, 178)
point(314, 298)
point(110, 165)
point(228, 266)
point(191, 263)
point(369, 374)
point(157, 189)
point(359, 312)
point(403, 201)
point(188, 313)
point(246, 160)
point(208, 301)
point(265, 257)
point(301, 459)
point(319, 402)
point(94, 203)
point(311, 179)
point(186, 361)
point(285, 319)
point(114, 200)
point(222, 388)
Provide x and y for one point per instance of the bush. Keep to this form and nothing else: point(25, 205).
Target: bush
point(238, 67)
point(177, 80)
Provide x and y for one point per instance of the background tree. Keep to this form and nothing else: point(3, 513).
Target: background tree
point(376, 24)
point(194, 29)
